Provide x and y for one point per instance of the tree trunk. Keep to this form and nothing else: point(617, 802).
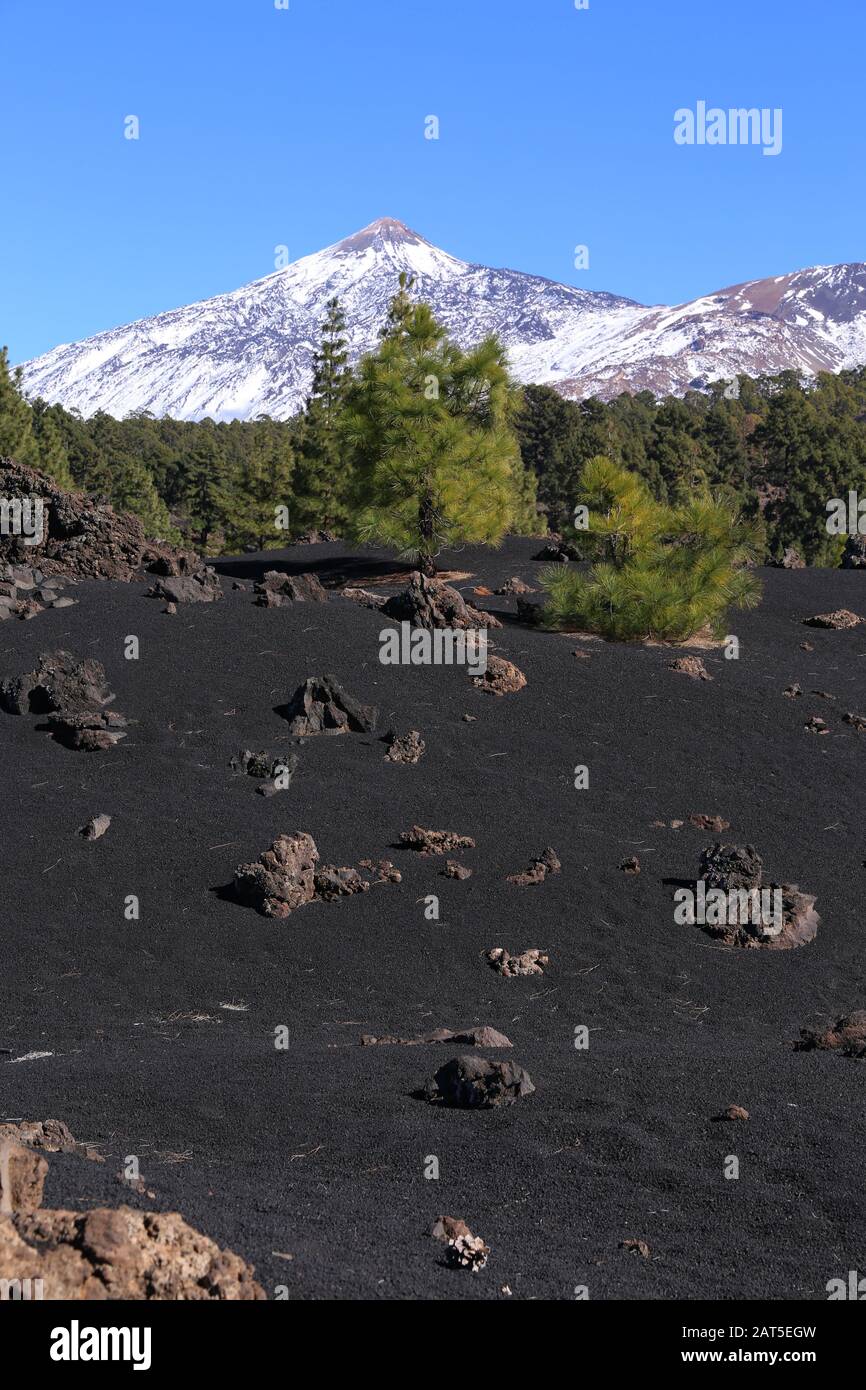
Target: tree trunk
point(426, 560)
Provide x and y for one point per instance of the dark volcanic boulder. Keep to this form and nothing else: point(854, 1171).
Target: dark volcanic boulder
point(277, 588)
point(202, 585)
point(322, 706)
point(430, 603)
point(60, 682)
point(731, 866)
point(473, 1083)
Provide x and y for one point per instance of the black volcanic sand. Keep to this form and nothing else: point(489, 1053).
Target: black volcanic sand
point(318, 1152)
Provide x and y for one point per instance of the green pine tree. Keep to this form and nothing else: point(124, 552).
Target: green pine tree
point(16, 419)
point(320, 479)
point(428, 433)
point(660, 571)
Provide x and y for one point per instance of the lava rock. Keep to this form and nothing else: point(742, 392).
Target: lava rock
point(472, 1083)
point(405, 748)
point(547, 862)
point(434, 841)
point(840, 618)
point(531, 962)
point(203, 585)
point(847, 1035)
point(283, 878)
point(731, 866)
point(121, 1254)
point(94, 732)
point(322, 706)
point(277, 588)
point(690, 666)
point(22, 1178)
point(60, 683)
point(81, 536)
point(453, 869)
point(501, 677)
point(430, 603)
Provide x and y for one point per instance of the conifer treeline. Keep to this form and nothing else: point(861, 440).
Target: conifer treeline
point(781, 448)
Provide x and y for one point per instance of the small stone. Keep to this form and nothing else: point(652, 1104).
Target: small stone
point(636, 1247)
point(455, 870)
point(816, 725)
point(734, 1112)
point(690, 666)
point(405, 748)
point(546, 863)
point(630, 865)
point(95, 827)
point(714, 823)
point(531, 962)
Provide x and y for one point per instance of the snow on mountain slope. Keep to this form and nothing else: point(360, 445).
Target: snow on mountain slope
point(250, 351)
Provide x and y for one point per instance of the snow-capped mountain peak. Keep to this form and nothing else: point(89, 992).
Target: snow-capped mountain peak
point(250, 351)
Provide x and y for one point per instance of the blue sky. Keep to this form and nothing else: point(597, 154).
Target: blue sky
point(261, 126)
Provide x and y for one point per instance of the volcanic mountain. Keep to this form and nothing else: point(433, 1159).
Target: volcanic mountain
point(249, 352)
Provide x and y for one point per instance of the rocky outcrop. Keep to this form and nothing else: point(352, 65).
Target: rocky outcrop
point(322, 706)
point(81, 536)
point(120, 1254)
point(431, 603)
point(473, 1083)
point(47, 1136)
